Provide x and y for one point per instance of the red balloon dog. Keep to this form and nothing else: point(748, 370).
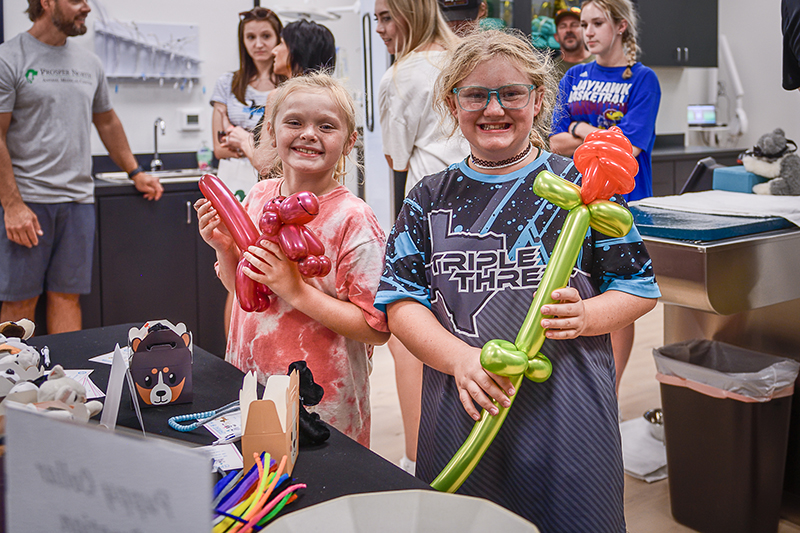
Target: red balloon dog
point(282, 221)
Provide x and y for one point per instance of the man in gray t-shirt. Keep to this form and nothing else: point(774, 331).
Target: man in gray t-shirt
point(51, 91)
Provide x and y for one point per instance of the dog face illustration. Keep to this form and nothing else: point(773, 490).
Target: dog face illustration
point(161, 368)
point(160, 386)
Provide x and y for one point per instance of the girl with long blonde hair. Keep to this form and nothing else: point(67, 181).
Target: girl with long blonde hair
point(330, 321)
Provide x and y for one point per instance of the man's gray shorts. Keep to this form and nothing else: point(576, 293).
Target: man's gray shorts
point(61, 262)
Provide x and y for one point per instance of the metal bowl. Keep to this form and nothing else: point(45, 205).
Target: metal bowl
point(656, 419)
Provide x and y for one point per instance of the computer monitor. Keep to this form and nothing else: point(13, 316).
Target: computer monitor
point(701, 115)
point(702, 176)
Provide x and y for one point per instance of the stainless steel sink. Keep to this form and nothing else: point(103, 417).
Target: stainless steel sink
point(181, 175)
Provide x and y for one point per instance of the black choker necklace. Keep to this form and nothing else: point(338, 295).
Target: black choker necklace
point(483, 163)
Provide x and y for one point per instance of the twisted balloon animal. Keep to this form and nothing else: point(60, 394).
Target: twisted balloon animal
point(282, 221)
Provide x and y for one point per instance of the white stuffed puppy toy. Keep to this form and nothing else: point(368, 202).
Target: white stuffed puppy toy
point(59, 396)
point(18, 361)
point(773, 158)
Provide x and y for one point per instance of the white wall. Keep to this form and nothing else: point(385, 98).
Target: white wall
point(753, 30)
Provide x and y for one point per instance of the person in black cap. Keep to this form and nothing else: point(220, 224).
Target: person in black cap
point(570, 36)
point(463, 15)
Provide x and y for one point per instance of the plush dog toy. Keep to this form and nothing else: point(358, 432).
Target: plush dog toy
point(21, 329)
point(58, 396)
point(18, 362)
point(773, 158)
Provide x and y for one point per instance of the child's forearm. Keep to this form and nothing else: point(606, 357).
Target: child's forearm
point(227, 262)
point(340, 316)
point(613, 310)
point(420, 332)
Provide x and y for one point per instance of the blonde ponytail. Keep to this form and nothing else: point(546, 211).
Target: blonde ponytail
point(630, 53)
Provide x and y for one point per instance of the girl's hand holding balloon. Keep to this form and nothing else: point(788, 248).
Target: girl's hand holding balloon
point(212, 230)
point(475, 383)
point(282, 222)
point(274, 270)
point(568, 315)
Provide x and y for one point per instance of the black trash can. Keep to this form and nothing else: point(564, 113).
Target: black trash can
point(726, 426)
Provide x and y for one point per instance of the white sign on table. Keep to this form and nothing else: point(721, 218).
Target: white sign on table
point(65, 476)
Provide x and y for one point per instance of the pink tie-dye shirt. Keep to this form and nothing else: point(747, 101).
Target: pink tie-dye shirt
point(268, 342)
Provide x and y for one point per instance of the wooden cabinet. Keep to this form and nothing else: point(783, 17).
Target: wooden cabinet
point(672, 166)
point(678, 33)
point(151, 263)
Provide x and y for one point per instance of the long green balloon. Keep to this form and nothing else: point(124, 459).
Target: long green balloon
point(523, 357)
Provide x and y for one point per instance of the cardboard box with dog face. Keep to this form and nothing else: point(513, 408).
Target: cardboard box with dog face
point(161, 363)
point(270, 424)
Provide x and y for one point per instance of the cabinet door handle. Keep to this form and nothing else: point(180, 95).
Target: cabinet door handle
point(679, 54)
point(686, 54)
point(188, 212)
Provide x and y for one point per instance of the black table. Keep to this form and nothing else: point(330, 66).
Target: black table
point(338, 467)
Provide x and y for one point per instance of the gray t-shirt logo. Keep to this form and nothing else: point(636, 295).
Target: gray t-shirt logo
point(31, 74)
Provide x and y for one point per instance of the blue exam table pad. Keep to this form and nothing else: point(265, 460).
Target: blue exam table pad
point(686, 226)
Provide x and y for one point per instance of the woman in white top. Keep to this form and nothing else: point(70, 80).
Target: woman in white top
point(414, 140)
point(304, 47)
point(238, 101)
point(413, 134)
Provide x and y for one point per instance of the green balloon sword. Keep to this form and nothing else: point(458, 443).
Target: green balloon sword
point(608, 167)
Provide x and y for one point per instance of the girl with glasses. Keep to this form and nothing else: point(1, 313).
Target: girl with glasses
point(463, 262)
point(613, 90)
point(415, 32)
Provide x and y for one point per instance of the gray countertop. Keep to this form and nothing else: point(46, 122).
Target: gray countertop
point(124, 188)
point(692, 152)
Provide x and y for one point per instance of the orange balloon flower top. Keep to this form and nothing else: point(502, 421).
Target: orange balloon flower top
point(605, 159)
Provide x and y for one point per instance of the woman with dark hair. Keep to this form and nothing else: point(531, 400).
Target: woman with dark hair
point(305, 46)
point(239, 99)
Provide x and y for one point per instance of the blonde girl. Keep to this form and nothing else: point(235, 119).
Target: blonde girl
point(329, 322)
point(462, 264)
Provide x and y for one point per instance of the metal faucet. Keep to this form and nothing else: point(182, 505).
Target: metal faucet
point(156, 163)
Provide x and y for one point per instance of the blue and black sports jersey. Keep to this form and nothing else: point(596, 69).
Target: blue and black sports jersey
point(473, 247)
